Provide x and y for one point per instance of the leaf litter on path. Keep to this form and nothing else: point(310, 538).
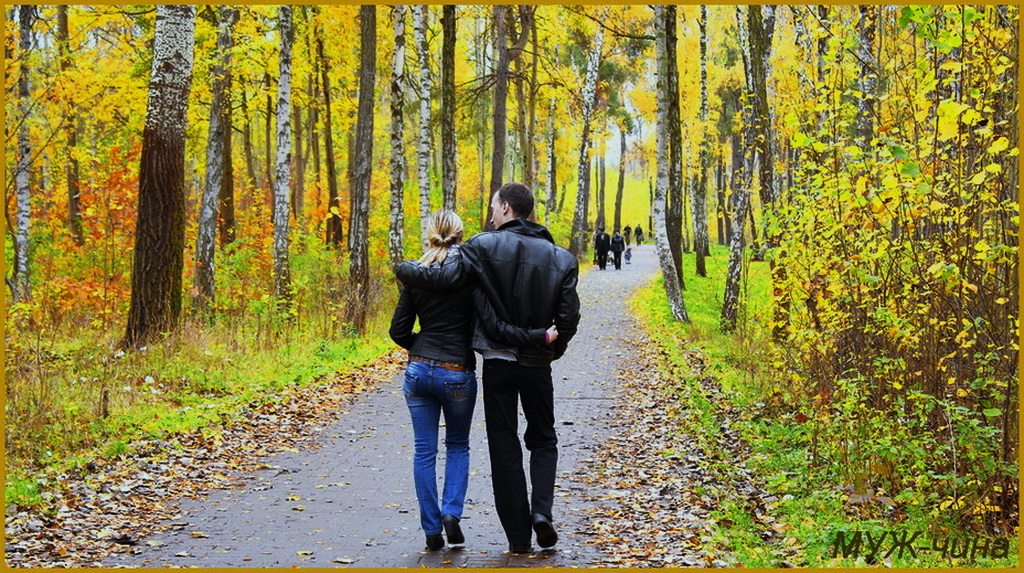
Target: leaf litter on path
point(654, 486)
point(108, 506)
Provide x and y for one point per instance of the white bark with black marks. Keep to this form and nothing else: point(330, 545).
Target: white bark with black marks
point(580, 240)
point(22, 285)
point(158, 261)
point(215, 173)
point(669, 274)
point(700, 194)
point(282, 178)
point(420, 15)
point(396, 232)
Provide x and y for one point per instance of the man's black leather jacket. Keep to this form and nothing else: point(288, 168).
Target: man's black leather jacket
point(528, 283)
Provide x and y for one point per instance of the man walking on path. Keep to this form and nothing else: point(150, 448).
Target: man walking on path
point(626, 233)
point(601, 245)
point(529, 282)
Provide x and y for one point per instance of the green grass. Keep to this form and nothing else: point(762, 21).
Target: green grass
point(806, 503)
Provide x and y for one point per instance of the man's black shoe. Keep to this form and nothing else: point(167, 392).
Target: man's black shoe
point(435, 542)
point(520, 549)
point(453, 530)
point(546, 535)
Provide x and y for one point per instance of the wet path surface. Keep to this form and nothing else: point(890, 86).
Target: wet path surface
point(351, 500)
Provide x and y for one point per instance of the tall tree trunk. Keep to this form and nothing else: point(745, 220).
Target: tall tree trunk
point(359, 263)
point(531, 127)
point(759, 31)
point(521, 126)
point(420, 15)
point(506, 53)
point(449, 153)
point(580, 240)
point(673, 289)
point(552, 202)
point(268, 154)
point(723, 213)
point(298, 167)
point(674, 216)
point(282, 180)
point(160, 228)
point(247, 147)
point(216, 152)
point(227, 223)
point(601, 178)
point(396, 249)
point(334, 228)
point(481, 58)
point(622, 177)
point(868, 78)
point(740, 200)
point(700, 195)
point(21, 289)
point(71, 169)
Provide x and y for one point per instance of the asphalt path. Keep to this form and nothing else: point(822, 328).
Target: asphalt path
point(351, 501)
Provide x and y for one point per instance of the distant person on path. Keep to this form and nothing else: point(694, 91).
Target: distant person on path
point(626, 234)
point(628, 255)
point(440, 377)
point(602, 244)
point(639, 234)
point(531, 313)
point(618, 245)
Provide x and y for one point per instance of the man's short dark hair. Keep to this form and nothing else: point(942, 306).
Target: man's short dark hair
point(519, 198)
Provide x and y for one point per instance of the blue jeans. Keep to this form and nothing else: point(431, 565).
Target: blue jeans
point(429, 390)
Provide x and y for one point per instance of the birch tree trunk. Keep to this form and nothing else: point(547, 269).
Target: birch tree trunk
point(71, 122)
point(359, 264)
point(700, 195)
point(396, 232)
point(552, 201)
point(579, 241)
point(160, 229)
point(669, 274)
point(216, 171)
point(420, 14)
point(601, 204)
point(282, 179)
point(481, 58)
point(622, 176)
point(674, 215)
point(22, 286)
point(760, 28)
point(449, 153)
point(868, 79)
point(334, 236)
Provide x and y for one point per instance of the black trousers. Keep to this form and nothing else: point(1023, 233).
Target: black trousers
point(602, 259)
point(505, 384)
point(618, 260)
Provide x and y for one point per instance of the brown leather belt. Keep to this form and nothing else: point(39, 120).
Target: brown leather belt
point(450, 366)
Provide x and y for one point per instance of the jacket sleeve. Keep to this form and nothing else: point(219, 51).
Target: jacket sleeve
point(403, 320)
point(444, 278)
point(502, 331)
point(567, 311)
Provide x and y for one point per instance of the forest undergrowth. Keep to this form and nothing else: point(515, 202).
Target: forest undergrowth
point(809, 494)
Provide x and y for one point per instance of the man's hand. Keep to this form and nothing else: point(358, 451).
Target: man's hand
point(551, 334)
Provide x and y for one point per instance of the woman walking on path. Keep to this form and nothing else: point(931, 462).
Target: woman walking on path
point(626, 234)
point(639, 234)
point(440, 377)
point(618, 245)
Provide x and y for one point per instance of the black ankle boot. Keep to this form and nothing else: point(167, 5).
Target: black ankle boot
point(453, 530)
point(435, 542)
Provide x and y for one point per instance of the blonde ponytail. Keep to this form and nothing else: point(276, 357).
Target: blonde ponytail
point(444, 230)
